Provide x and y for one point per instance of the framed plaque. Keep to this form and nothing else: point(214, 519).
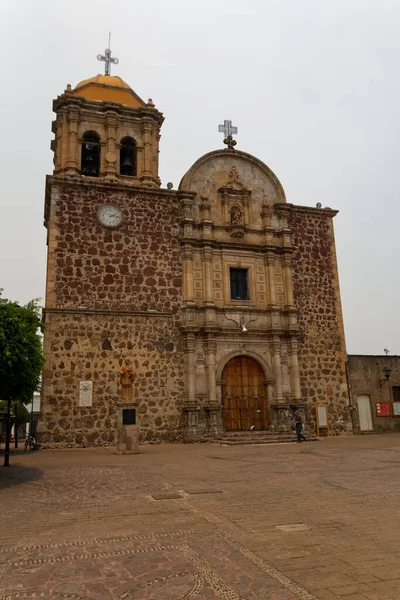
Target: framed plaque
point(85, 393)
point(396, 409)
point(128, 416)
point(383, 409)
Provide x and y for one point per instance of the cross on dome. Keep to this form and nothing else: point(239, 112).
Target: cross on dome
point(228, 129)
point(107, 58)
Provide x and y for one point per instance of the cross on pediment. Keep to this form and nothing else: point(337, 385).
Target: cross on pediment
point(107, 58)
point(228, 129)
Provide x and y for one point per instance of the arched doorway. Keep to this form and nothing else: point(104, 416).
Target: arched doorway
point(244, 395)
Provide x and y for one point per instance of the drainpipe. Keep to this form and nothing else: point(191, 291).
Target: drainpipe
point(350, 406)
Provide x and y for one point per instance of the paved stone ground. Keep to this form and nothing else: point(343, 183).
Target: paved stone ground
point(284, 522)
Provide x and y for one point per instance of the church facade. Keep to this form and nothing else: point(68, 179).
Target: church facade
point(222, 295)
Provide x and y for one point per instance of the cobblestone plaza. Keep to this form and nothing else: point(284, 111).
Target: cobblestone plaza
point(282, 522)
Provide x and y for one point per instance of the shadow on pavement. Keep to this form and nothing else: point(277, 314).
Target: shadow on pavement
point(16, 474)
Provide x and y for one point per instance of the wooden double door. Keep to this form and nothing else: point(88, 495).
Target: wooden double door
point(244, 395)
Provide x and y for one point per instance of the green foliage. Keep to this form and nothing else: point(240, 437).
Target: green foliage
point(21, 354)
point(19, 409)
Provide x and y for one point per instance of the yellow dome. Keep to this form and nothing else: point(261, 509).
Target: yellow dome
point(108, 88)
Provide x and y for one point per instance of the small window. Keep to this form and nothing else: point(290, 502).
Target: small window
point(90, 163)
point(396, 393)
point(239, 284)
point(127, 157)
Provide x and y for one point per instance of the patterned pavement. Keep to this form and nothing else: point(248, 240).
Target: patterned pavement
point(276, 523)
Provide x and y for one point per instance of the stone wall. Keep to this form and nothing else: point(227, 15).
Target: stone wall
point(89, 347)
point(367, 378)
point(112, 295)
point(322, 350)
point(134, 267)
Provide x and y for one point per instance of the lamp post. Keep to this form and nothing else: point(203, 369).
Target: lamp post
point(8, 435)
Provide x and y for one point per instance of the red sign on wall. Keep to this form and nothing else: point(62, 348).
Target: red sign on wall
point(382, 409)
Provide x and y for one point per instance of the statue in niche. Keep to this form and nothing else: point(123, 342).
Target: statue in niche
point(236, 216)
point(126, 377)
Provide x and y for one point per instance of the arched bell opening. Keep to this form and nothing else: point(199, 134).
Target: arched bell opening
point(244, 395)
point(127, 157)
point(90, 158)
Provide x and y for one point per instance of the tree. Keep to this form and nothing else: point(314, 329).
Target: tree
point(21, 355)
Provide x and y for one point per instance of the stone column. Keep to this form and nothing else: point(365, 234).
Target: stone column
point(271, 278)
point(147, 130)
point(287, 269)
point(276, 349)
point(110, 169)
point(294, 371)
point(210, 367)
point(188, 273)
point(190, 368)
point(246, 211)
point(72, 166)
point(225, 210)
point(207, 275)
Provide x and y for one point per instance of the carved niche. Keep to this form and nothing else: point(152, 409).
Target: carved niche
point(235, 198)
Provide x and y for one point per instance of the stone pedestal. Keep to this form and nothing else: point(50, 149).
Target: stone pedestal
point(281, 417)
point(214, 420)
point(128, 429)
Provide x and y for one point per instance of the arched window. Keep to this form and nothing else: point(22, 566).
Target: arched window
point(90, 164)
point(127, 157)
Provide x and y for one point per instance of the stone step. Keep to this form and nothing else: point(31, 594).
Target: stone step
point(252, 438)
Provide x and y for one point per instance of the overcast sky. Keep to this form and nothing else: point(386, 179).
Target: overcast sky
point(312, 85)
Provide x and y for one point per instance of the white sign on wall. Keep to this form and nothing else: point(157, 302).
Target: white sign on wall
point(85, 393)
point(322, 416)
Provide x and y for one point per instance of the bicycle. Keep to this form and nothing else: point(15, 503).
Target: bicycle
point(30, 442)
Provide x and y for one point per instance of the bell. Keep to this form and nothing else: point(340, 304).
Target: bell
point(127, 163)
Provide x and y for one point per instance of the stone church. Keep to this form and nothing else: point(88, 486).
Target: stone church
point(222, 295)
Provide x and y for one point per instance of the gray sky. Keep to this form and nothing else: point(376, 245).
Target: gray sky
point(313, 86)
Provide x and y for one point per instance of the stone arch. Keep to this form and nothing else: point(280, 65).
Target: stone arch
point(269, 377)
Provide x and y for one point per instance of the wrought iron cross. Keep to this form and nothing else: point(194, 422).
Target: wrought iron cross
point(228, 129)
point(107, 58)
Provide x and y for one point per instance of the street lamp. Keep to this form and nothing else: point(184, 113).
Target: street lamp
point(387, 372)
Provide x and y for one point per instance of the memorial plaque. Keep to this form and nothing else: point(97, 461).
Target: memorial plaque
point(382, 409)
point(85, 393)
point(129, 416)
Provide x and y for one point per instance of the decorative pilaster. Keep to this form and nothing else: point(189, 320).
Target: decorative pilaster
point(287, 270)
point(110, 170)
point(147, 131)
point(276, 352)
point(211, 348)
point(72, 166)
point(294, 371)
point(271, 278)
point(188, 274)
point(190, 368)
point(207, 275)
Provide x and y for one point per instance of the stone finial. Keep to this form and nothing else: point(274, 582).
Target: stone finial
point(150, 103)
point(68, 89)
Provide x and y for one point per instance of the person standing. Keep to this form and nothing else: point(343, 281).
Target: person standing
point(299, 426)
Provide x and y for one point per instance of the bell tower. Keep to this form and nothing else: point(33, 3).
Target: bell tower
point(105, 130)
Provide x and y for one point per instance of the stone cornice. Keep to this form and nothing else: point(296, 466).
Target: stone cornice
point(100, 182)
point(66, 101)
point(232, 245)
point(318, 212)
point(110, 312)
